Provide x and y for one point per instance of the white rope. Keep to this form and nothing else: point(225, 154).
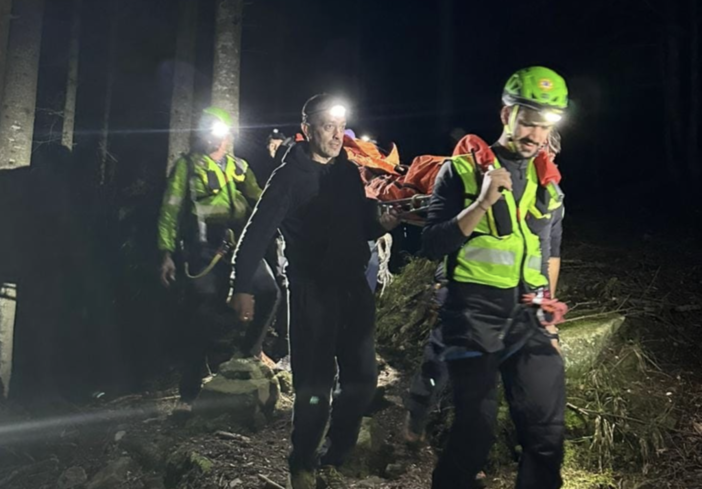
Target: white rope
point(384, 276)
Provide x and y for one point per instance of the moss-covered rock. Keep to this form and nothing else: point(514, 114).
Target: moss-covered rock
point(245, 369)
point(244, 390)
point(583, 340)
point(285, 382)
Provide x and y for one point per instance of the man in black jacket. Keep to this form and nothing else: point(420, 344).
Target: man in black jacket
point(317, 199)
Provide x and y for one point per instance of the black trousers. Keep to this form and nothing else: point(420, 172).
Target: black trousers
point(534, 382)
point(210, 319)
point(275, 258)
point(431, 380)
point(332, 323)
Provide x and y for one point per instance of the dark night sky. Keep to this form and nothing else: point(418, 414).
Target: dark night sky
point(413, 70)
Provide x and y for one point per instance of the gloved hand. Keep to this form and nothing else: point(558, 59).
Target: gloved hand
point(551, 310)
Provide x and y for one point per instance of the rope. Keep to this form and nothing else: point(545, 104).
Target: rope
point(384, 276)
point(224, 249)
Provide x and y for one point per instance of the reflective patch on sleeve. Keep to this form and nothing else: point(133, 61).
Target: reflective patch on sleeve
point(174, 200)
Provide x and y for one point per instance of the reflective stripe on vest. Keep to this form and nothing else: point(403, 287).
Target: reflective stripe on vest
point(500, 262)
point(486, 255)
point(534, 262)
point(208, 211)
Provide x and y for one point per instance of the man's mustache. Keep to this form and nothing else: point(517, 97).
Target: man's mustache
point(527, 140)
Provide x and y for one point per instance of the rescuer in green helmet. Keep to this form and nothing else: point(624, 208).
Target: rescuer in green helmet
point(208, 198)
point(498, 317)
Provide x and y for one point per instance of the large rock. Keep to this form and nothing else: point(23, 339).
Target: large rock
point(245, 369)
point(244, 389)
point(285, 381)
point(582, 340)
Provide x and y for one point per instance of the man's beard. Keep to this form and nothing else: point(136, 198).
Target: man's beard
point(525, 150)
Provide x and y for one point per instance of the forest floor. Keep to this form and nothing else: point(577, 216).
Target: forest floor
point(136, 442)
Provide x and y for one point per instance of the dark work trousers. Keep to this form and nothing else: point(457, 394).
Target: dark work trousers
point(275, 258)
point(534, 381)
point(209, 317)
point(432, 378)
point(332, 323)
point(427, 384)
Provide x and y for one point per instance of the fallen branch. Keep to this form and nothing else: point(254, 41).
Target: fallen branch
point(125, 399)
point(580, 304)
point(653, 280)
point(688, 308)
point(232, 436)
point(589, 316)
point(269, 483)
point(676, 328)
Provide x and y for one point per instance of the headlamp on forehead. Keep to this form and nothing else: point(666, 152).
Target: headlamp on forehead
point(551, 116)
point(337, 111)
point(323, 103)
point(219, 129)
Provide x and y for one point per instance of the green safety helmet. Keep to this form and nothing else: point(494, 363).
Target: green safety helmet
point(538, 88)
point(220, 114)
point(215, 122)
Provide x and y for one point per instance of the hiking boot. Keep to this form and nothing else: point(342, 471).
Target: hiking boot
point(330, 478)
point(303, 479)
point(414, 429)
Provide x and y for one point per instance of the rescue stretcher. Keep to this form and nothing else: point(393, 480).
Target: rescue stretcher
point(412, 210)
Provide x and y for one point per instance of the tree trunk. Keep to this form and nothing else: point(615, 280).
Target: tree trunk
point(8, 309)
point(5, 9)
point(671, 95)
point(183, 82)
point(69, 106)
point(21, 65)
point(20, 95)
point(105, 159)
point(694, 111)
point(227, 57)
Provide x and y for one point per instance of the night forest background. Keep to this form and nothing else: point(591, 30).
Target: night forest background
point(419, 74)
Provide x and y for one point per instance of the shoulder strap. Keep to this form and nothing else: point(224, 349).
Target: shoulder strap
point(240, 165)
point(475, 146)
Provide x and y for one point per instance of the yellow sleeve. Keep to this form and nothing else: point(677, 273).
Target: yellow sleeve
point(173, 202)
